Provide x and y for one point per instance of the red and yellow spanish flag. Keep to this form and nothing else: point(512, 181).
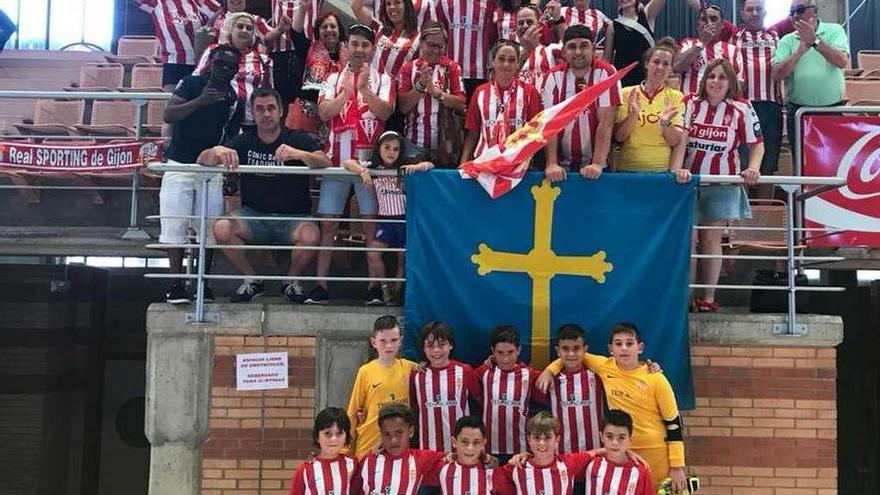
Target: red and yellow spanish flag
point(501, 167)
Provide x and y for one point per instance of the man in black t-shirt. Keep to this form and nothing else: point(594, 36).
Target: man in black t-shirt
point(267, 195)
point(204, 112)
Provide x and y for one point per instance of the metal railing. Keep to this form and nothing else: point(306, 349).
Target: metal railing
point(789, 184)
point(140, 100)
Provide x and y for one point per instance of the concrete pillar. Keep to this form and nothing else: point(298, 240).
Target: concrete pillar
point(177, 404)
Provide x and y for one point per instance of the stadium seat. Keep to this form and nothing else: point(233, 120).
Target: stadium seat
point(54, 118)
point(765, 213)
point(870, 74)
point(868, 59)
point(99, 75)
point(142, 46)
point(147, 76)
point(110, 118)
point(861, 89)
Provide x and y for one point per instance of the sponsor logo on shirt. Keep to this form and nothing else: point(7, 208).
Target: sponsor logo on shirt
point(710, 132)
point(440, 401)
point(574, 401)
point(509, 402)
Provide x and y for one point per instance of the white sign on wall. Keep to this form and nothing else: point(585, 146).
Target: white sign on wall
point(263, 371)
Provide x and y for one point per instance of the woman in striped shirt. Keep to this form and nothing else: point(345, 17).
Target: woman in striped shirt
point(717, 120)
point(397, 33)
point(254, 68)
point(500, 106)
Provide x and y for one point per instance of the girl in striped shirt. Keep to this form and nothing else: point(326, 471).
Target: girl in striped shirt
point(387, 154)
point(329, 472)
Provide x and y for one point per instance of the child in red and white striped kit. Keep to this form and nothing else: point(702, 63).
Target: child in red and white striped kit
point(387, 154)
point(330, 471)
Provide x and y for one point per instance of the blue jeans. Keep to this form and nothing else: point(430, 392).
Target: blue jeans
point(770, 116)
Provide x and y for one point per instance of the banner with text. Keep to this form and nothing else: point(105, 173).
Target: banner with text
point(109, 157)
point(847, 147)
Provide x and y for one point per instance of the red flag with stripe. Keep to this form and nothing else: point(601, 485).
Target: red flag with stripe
point(501, 167)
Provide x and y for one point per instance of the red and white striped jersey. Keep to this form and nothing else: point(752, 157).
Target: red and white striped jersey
point(604, 477)
point(576, 140)
point(505, 23)
point(287, 8)
point(757, 49)
point(506, 396)
point(393, 50)
point(471, 33)
point(454, 478)
point(441, 397)
point(690, 80)
point(556, 478)
point(539, 62)
point(592, 18)
point(322, 476)
point(357, 143)
point(422, 123)
point(176, 23)
point(715, 132)
point(577, 402)
point(254, 71)
point(390, 199)
point(261, 27)
point(384, 473)
point(495, 113)
point(426, 10)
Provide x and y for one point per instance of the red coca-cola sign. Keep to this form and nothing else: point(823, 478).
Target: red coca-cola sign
point(846, 147)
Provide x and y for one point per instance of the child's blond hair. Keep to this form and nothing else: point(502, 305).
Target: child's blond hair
point(542, 424)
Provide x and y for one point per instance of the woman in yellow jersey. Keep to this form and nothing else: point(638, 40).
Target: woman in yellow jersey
point(647, 397)
point(649, 124)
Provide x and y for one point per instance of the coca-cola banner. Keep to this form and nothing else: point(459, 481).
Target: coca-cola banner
point(77, 158)
point(846, 147)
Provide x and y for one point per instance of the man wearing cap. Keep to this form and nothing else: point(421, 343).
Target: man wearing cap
point(811, 61)
point(355, 103)
point(584, 145)
point(696, 53)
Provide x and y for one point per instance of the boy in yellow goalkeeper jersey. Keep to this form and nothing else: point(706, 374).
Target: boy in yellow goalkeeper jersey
point(647, 397)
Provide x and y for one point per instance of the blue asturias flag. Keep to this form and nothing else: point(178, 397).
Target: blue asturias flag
point(593, 253)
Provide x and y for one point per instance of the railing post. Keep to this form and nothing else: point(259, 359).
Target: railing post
point(203, 236)
point(133, 231)
point(791, 266)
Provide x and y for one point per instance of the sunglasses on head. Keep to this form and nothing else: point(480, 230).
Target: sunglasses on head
point(800, 9)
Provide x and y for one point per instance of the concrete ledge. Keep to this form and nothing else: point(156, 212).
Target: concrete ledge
point(270, 318)
point(754, 329)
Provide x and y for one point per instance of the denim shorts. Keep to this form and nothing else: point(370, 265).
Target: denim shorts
point(334, 195)
point(717, 203)
point(268, 232)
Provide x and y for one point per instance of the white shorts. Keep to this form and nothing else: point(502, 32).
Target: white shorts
point(181, 195)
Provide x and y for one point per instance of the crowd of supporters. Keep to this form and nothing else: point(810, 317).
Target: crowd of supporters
point(422, 83)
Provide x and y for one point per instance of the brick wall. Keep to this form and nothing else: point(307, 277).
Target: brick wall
point(765, 422)
point(256, 437)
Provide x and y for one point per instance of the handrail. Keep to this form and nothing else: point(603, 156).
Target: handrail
point(87, 95)
point(789, 184)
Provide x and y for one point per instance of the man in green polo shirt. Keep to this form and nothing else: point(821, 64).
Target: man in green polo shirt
point(811, 61)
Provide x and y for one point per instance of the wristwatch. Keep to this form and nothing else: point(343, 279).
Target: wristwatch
point(816, 44)
point(438, 96)
point(665, 123)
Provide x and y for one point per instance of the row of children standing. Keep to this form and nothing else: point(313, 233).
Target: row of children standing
point(468, 421)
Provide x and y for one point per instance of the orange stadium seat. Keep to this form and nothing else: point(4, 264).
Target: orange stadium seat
point(100, 75)
point(54, 117)
point(868, 59)
point(862, 89)
point(110, 118)
point(147, 76)
point(142, 46)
